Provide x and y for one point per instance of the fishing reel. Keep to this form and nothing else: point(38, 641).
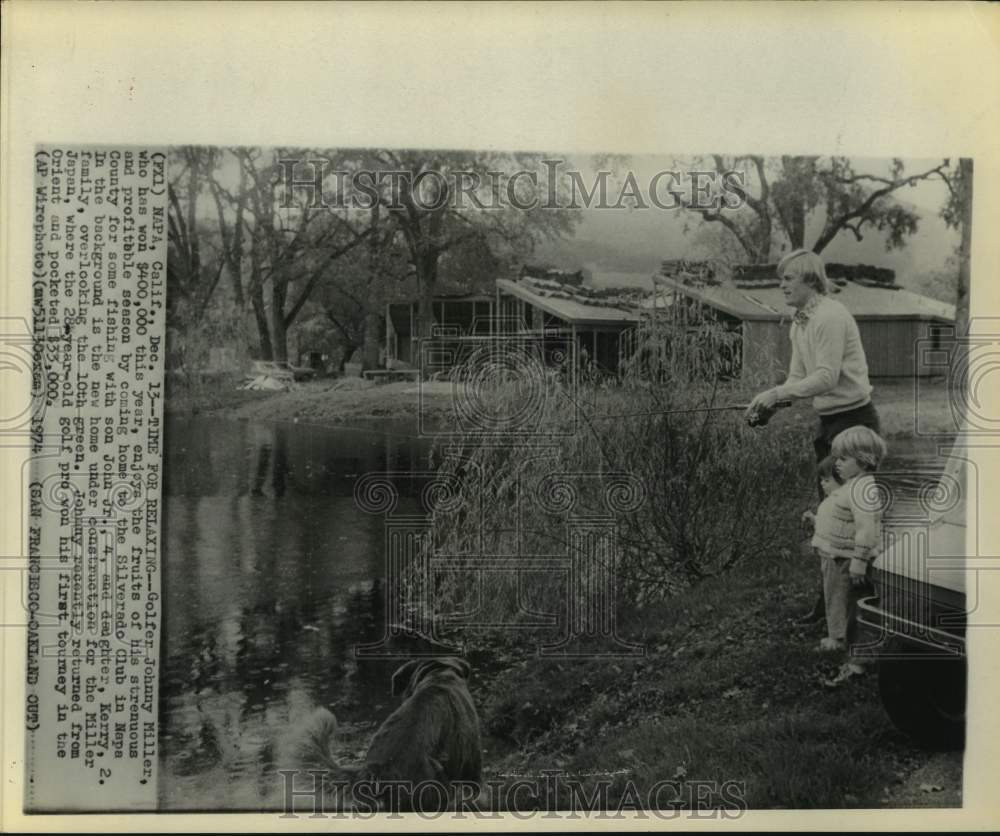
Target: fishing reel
point(760, 416)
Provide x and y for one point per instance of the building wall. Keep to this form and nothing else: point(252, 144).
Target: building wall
point(898, 348)
point(894, 348)
point(888, 346)
point(512, 317)
point(452, 317)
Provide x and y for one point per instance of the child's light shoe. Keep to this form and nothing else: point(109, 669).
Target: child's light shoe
point(828, 645)
point(847, 672)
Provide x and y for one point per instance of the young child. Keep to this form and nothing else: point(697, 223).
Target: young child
point(820, 522)
point(847, 538)
point(829, 481)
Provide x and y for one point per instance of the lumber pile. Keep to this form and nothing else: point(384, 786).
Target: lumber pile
point(561, 277)
point(610, 297)
point(866, 275)
point(269, 377)
point(755, 275)
point(690, 272)
point(758, 276)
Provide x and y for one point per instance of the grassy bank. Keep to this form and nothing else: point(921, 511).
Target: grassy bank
point(327, 401)
point(335, 401)
point(729, 689)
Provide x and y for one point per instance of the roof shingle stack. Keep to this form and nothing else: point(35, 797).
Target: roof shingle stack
point(564, 277)
point(866, 275)
point(760, 276)
point(624, 299)
point(755, 275)
point(690, 272)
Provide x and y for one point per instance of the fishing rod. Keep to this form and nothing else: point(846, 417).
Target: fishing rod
point(758, 418)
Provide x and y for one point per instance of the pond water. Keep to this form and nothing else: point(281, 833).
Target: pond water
point(272, 575)
point(910, 468)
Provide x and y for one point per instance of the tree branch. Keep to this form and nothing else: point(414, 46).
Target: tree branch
point(834, 225)
point(318, 273)
point(856, 229)
point(728, 223)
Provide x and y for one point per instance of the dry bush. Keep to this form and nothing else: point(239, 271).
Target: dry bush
point(689, 494)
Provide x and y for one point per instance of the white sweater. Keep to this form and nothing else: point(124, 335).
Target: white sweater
point(828, 360)
point(848, 522)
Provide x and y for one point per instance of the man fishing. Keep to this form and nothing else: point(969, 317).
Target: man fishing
point(828, 362)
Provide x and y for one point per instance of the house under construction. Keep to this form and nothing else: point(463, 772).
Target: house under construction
point(900, 330)
point(596, 326)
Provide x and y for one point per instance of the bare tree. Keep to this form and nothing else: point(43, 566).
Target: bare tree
point(291, 250)
point(957, 213)
point(354, 292)
point(192, 280)
point(435, 221)
point(786, 196)
point(233, 214)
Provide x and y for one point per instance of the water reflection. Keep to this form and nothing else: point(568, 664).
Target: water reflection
point(911, 465)
point(271, 577)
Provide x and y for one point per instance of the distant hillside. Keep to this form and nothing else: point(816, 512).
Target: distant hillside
point(636, 241)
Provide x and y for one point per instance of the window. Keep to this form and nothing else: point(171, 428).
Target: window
point(940, 335)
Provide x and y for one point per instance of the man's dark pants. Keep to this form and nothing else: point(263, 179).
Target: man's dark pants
point(829, 427)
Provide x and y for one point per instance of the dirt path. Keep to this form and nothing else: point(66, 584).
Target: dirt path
point(937, 783)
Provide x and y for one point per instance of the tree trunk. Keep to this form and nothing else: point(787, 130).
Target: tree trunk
point(762, 208)
point(797, 220)
point(347, 352)
point(372, 320)
point(426, 281)
point(232, 240)
point(259, 311)
point(793, 212)
point(192, 207)
point(260, 316)
point(372, 326)
point(959, 362)
point(964, 270)
point(763, 251)
point(279, 333)
point(235, 254)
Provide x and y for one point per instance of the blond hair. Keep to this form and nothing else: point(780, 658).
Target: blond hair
point(807, 265)
point(862, 444)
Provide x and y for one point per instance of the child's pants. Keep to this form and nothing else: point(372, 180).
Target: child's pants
point(841, 598)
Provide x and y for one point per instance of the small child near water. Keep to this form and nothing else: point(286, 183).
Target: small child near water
point(829, 481)
point(846, 537)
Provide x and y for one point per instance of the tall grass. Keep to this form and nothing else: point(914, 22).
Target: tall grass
point(690, 490)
